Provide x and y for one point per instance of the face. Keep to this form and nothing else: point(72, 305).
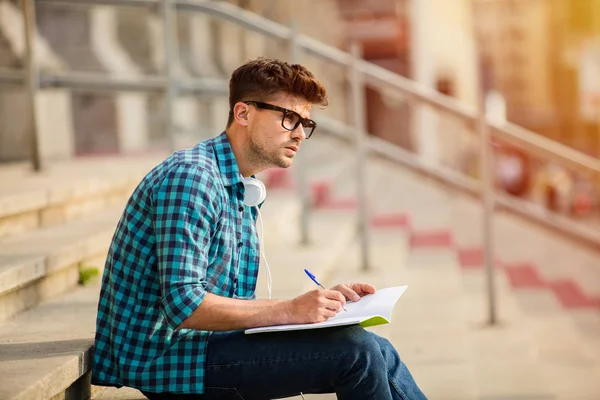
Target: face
point(269, 144)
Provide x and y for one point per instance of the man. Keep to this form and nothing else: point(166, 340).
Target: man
point(178, 288)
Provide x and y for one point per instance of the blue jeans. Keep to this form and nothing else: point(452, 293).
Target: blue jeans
point(349, 361)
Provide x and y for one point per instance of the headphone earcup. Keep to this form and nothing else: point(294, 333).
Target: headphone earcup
point(255, 192)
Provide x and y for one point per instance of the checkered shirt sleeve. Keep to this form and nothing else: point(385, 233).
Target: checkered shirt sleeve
point(186, 209)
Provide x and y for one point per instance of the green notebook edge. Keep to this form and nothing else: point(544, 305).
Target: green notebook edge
point(374, 321)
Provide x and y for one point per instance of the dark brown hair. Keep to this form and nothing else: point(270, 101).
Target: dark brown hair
point(263, 78)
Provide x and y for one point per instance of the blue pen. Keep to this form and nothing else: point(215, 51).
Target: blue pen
point(314, 279)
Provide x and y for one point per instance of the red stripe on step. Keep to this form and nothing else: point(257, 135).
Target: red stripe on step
point(339, 204)
point(570, 295)
point(471, 258)
point(320, 192)
point(524, 276)
point(278, 178)
point(391, 221)
point(432, 239)
point(474, 258)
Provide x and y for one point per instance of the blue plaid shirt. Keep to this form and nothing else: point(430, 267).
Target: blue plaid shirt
point(184, 232)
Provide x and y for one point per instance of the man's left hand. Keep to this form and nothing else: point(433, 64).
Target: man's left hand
point(354, 291)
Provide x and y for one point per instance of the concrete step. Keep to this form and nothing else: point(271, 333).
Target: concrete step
point(133, 394)
point(44, 263)
point(67, 190)
point(45, 350)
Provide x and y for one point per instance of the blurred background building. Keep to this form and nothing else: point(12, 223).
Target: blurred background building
point(543, 56)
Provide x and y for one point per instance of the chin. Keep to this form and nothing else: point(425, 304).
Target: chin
point(284, 162)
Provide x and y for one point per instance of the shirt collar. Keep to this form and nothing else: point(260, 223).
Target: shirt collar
point(226, 161)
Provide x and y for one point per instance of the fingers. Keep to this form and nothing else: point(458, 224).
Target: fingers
point(328, 313)
point(335, 295)
point(348, 292)
point(363, 289)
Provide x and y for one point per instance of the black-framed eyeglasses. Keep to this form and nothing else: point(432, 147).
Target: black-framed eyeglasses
point(290, 120)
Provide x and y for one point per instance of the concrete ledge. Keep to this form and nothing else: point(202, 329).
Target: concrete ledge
point(44, 263)
point(67, 190)
point(44, 350)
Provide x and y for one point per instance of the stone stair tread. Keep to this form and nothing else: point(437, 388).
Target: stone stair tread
point(45, 349)
point(27, 256)
point(123, 393)
point(23, 190)
point(133, 394)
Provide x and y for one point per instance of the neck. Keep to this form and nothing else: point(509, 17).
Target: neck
point(237, 142)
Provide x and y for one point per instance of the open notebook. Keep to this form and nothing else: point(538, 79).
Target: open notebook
point(371, 310)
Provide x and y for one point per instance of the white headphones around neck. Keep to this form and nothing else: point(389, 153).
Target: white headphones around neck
point(255, 192)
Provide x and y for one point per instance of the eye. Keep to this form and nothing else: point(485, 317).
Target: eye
point(291, 118)
point(309, 123)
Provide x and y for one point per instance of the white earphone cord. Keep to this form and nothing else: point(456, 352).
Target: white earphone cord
point(262, 251)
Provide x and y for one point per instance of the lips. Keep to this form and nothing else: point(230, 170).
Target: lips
point(293, 148)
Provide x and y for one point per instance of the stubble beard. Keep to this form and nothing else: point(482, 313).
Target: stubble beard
point(261, 158)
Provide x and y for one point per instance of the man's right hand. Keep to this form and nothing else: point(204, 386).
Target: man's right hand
point(315, 306)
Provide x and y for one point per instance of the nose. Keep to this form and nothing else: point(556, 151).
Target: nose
point(299, 133)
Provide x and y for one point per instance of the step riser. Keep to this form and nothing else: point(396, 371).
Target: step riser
point(57, 214)
point(56, 282)
point(71, 371)
point(81, 389)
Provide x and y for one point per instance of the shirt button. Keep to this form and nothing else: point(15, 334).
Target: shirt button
point(235, 281)
point(240, 244)
point(241, 208)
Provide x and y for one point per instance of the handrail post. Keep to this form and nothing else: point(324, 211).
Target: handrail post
point(295, 55)
point(359, 123)
point(487, 179)
point(32, 78)
point(487, 170)
point(171, 61)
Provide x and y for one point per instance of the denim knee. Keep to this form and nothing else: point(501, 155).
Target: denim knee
point(389, 352)
point(361, 344)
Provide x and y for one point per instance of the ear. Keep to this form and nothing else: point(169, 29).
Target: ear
point(240, 113)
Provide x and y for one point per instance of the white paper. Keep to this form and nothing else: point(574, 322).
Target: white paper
point(379, 304)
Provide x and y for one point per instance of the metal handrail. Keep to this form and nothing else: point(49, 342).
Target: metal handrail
point(470, 186)
point(92, 3)
point(102, 82)
point(537, 144)
point(12, 78)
